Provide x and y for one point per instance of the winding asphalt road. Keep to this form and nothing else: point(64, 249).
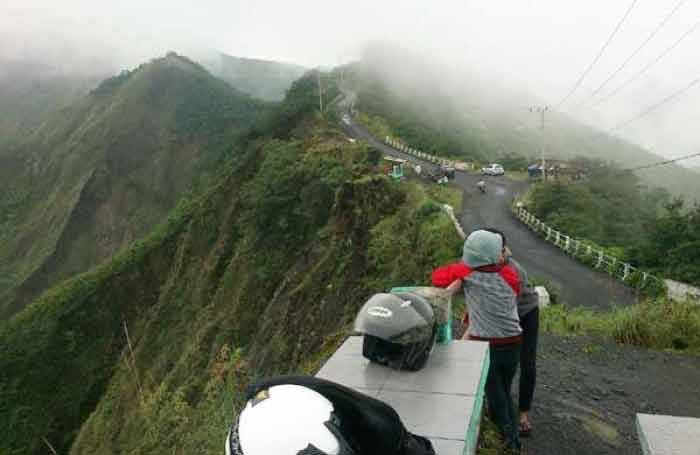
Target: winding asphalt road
point(576, 284)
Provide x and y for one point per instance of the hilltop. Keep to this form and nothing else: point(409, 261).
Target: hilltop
point(102, 172)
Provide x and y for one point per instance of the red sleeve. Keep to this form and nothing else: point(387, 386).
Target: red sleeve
point(445, 275)
point(510, 275)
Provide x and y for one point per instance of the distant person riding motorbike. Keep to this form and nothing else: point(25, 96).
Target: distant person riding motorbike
point(481, 185)
point(302, 415)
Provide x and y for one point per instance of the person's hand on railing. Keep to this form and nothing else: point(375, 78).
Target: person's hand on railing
point(454, 287)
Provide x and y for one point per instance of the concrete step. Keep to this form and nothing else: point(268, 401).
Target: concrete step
point(668, 435)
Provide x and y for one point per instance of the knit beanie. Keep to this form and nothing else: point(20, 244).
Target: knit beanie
point(482, 248)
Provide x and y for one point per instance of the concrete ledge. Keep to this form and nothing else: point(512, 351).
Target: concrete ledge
point(442, 402)
point(668, 435)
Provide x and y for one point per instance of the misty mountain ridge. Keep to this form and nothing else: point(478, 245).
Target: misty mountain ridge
point(260, 270)
point(476, 117)
point(264, 79)
point(103, 171)
point(30, 91)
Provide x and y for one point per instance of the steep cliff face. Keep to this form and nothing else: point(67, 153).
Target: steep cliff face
point(261, 272)
point(104, 171)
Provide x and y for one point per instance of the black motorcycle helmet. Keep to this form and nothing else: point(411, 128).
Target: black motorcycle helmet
point(399, 330)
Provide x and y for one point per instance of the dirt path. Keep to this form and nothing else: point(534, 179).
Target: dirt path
point(589, 390)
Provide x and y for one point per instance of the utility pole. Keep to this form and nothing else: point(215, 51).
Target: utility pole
point(320, 93)
point(541, 110)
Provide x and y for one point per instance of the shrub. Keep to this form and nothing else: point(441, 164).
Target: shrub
point(427, 209)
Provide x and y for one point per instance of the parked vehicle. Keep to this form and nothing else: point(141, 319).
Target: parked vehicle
point(463, 166)
point(449, 171)
point(493, 169)
point(437, 175)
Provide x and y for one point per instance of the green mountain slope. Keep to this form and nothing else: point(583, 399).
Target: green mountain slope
point(30, 92)
point(263, 79)
point(260, 273)
point(449, 112)
point(102, 172)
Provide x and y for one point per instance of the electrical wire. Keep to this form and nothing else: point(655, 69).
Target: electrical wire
point(608, 134)
point(662, 163)
point(654, 106)
point(600, 54)
point(646, 68)
point(634, 54)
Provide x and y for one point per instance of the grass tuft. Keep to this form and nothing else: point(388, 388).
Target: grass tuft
point(662, 324)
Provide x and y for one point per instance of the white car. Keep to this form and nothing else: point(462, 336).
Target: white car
point(493, 169)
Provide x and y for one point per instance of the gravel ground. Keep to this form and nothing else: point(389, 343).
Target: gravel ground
point(589, 390)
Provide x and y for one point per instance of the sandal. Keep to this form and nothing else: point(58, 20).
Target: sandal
point(525, 428)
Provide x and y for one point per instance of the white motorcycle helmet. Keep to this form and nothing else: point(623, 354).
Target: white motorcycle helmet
point(287, 420)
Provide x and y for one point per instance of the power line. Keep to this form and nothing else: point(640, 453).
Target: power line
point(657, 164)
point(662, 163)
point(647, 67)
point(655, 106)
point(634, 54)
point(605, 134)
point(600, 54)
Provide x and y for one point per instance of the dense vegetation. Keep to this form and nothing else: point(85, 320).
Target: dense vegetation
point(105, 170)
point(640, 225)
point(260, 272)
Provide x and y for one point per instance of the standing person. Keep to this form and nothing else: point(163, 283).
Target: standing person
point(491, 288)
point(529, 313)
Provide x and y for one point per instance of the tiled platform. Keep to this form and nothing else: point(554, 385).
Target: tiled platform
point(443, 401)
point(668, 435)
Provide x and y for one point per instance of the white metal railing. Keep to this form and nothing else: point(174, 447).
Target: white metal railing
point(578, 249)
point(398, 145)
point(584, 252)
point(451, 214)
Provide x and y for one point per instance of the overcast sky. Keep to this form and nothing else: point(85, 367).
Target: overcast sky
point(543, 46)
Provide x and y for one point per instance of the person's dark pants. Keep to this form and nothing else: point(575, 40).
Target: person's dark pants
point(530, 324)
point(504, 364)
